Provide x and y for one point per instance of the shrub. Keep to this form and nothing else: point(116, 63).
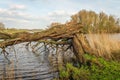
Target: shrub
point(109, 70)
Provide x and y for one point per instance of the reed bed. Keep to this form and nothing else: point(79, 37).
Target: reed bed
point(104, 45)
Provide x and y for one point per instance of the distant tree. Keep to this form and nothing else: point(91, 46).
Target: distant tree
point(55, 24)
point(96, 22)
point(2, 26)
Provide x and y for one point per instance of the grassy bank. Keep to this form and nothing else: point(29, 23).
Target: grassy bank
point(94, 69)
point(10, 31)
point(105, 45)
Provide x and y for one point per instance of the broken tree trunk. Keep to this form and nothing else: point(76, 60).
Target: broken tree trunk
point(77, 48)
point(81, 46)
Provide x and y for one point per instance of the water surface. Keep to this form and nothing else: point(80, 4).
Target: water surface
point(25, 65)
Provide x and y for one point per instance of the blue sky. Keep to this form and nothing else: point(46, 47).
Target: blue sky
point(38, 14)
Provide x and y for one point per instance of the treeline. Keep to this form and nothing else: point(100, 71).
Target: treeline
point(2, 26)
point(97, 22)
point(94, 22)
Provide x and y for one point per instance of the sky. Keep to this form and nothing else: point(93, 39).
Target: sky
point(39, 14)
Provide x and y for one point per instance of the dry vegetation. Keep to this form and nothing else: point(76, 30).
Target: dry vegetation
point(104, 45)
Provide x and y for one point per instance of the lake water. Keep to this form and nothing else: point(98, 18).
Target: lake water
point(25, 65)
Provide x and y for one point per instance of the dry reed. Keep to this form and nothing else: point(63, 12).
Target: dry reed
point(104, 45)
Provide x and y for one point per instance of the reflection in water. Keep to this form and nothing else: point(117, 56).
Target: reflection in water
point(25, 65)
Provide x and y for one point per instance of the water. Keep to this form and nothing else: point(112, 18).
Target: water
point(25, 65)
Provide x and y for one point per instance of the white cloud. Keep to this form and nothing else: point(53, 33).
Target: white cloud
point(17, 7)
point(15, 14)
point(61, 13)
point(14, 20)
point(20, 19)
point(60, 16)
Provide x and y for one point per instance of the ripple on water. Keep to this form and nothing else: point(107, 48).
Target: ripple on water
point(26, 66)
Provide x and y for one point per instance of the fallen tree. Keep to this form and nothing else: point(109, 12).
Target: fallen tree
point(58, 35)
point(70, 34)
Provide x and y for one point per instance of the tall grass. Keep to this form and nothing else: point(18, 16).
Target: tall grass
point(104, 45)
